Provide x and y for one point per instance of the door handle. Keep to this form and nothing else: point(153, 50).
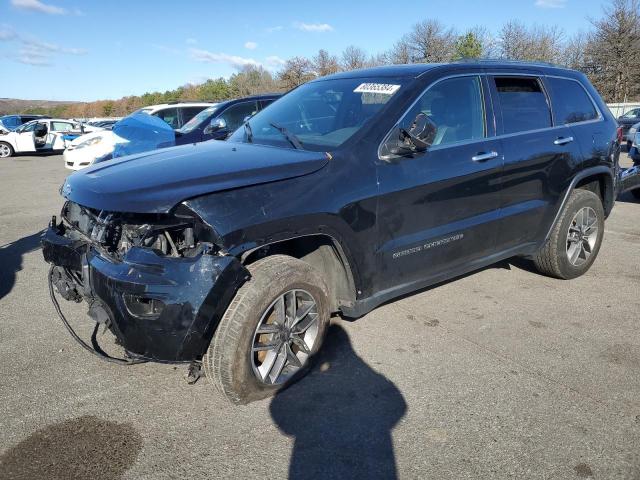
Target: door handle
point(484, 156)
point(563, 140)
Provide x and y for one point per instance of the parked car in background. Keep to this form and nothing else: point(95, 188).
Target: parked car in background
point(42, 135)
point(349, 191)
point(98, 147)
point(626, 121)
point(221, 119)
point(11, 122)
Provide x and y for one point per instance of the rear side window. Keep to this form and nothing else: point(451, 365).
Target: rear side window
point(524, 104)
point(571, 103)
point(189, 112)
point(169, 115)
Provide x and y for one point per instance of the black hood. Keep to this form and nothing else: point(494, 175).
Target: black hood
point(154, 182)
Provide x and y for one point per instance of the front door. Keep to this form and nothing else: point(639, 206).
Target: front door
point(438, 209)
point(24, 138)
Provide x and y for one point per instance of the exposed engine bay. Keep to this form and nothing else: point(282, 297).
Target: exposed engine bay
point(181, 234)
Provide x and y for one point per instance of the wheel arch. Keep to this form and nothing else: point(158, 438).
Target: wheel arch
point(321, 251)
point(597, 179)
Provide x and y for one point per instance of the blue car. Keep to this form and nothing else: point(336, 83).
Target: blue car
point(11, 122)
point(222, 119)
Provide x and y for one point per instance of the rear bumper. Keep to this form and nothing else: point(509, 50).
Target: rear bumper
point(195, 293)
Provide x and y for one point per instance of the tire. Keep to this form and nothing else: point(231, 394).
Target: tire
point(636, 193)
point(6, 150)
point(553, 258)
point(230, 363)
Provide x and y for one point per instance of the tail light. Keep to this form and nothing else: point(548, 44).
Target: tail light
point(619, 135)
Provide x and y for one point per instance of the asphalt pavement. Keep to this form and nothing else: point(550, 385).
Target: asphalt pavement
point(503, 373)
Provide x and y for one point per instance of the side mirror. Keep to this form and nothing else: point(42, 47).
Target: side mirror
point(216, 125)
point(418, 138)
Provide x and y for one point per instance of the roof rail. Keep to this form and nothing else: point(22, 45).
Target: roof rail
point(506, 60)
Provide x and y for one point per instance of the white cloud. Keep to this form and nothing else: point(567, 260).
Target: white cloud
point(315, 27)
point(551, 3)
point(234, 60)
point(6, 33)
point(277, 28)
point(32, 51)
point(191, 41)
point(38, 6)
point(274, 61)
point(251, 45)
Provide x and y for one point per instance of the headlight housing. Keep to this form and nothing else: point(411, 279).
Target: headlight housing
point(88, 143)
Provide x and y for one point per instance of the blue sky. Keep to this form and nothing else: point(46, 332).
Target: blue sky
point(89, 50)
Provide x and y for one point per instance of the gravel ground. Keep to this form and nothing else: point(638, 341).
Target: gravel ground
point(501, 374)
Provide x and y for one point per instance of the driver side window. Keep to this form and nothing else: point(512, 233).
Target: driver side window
point(456, 108)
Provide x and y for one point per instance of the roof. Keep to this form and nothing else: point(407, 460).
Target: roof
point(415, 70)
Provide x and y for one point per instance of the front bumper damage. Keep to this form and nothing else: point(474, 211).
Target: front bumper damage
point(189, 294)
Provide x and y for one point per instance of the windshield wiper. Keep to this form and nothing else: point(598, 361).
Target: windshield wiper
point(291, 138)
point(248, 132)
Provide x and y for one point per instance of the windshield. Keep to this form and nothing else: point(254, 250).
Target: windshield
point(322, 115)
point(198, 119)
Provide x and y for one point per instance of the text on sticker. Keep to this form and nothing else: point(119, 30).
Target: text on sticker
point(384, 88)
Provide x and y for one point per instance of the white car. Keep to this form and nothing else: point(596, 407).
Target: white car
point(89, 149)
point(42, 135)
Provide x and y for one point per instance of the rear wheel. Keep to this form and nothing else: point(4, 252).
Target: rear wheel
point(267, 336)
point(6, 150)
point(575, 240)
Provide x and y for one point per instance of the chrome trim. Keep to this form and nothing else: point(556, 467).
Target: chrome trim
point(600, 118)
point(563, 140)
point(484, 156)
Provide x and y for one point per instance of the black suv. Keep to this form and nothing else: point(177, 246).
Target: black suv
point(347, 192)
point(221, 119)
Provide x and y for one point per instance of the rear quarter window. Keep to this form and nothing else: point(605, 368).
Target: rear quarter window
point(571, 103)
point(523, 103)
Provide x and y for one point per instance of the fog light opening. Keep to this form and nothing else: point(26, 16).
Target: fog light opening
point(143, 307)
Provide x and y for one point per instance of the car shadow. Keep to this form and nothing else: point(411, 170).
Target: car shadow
point(341, 416)
point(11, 256)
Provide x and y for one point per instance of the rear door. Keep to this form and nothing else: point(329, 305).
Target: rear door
point(438, 210)
point(538, 158)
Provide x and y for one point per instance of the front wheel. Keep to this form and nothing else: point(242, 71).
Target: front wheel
point(274, 325)
point(575, 240)
point(6, 150)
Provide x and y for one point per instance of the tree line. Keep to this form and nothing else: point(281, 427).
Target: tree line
point(605, 53)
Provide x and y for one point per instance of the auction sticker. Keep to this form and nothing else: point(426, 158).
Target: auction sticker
point(384, 88)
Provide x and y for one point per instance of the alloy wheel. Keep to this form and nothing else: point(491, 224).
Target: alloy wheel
point(285, 337)
point(582, 236)
point(5, 151)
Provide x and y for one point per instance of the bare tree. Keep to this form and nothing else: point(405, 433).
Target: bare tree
point(296, 71)
point(573, 53)
point(400, 53)
point(517, 42)
point(325, 64)
point(353, 57)
point(377, 60)
point(251, 80)
point(615, 38)
point(430, 41)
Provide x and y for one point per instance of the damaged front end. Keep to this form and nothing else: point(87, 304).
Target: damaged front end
point(159, 282)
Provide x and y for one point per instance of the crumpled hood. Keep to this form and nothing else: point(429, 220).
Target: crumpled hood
point(154, 182)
